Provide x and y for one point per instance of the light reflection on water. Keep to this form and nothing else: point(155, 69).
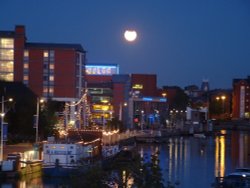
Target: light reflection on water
point(186, 162)
point(195, 162)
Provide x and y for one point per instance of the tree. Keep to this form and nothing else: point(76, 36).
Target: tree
point(48, 119)
point(20, 112)
point(180, 100)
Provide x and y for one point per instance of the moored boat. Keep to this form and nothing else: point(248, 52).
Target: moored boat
point(239, 178)
point(62, 159)
point(17, 165)
point(199, 135)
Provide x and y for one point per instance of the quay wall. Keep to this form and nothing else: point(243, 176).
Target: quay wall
point(241, 125)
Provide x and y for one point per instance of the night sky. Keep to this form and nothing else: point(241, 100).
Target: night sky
point(182, 41)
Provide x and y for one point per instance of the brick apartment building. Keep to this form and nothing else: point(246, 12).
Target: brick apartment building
point(50, 70)
point(241, 98)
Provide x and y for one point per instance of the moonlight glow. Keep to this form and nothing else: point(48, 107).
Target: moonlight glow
point(130, 35)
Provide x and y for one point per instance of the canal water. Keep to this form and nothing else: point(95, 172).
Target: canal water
point(186, 162)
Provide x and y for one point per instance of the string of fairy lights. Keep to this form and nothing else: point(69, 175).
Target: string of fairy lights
point(83, 109)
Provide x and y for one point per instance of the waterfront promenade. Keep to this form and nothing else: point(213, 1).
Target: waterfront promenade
point(141, 134)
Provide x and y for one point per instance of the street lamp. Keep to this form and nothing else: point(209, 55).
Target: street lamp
point(142, 119)
point(37, 116)
point(121, 109)
point(223, 98)
point(2, 122)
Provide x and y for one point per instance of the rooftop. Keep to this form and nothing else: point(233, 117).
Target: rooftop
point(77, 47)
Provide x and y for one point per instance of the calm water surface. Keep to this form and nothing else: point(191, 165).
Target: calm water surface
point(186, 162)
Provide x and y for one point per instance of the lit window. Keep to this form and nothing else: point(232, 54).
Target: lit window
point(25, 65)
point(45, 90)
point(7, 76)
point(25, 77)
point(26, 53)
point(51, 78)
point(51, 66)
point(45, 54)
point(7, 54)
point(137, 86)
point(6, 66)
point(51, 90)
point(6, 43)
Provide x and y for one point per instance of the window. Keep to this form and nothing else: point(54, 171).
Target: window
point(7, 54)
point(25, 77)
point(26, 53)
point(51, 90)
point(45, 89)
point(7, 59)
point(51, 78)
point(6, 43)
point(51, 66)
point(45, 54)
point(25, 65)
point(52, 53)
point(6, 66)
point(45, 66)
point(7, 76)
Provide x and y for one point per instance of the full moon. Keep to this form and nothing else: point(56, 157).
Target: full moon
point(130, 35)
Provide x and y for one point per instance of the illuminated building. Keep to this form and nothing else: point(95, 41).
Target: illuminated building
point(241, 98)
point(50, 70)
point(146, 105)
point(144, 84)
point(108, 91)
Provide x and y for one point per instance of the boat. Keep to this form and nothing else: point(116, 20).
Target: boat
point(30, 167)
point(200, 135)
point(17, 165)
point(239, 178)
point(109, 152)
point(63, 159)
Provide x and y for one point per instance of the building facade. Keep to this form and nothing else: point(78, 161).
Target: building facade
point(50, 70)
point(147, 106)
point(241, 98)
point(108, 93)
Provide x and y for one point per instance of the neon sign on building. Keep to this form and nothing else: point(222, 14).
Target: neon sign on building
point(102, 69)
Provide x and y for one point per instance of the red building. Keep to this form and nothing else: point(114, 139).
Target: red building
point(241, 98)
point(145, 84)
point(50, 70)
point(147, 104)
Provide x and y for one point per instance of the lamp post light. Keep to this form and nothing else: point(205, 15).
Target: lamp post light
point(223, 98)
point(121, 110)
point(37, 116)
point(2, 122)
point(142, 119)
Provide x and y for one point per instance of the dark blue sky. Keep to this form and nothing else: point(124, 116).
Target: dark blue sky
point(182, 41)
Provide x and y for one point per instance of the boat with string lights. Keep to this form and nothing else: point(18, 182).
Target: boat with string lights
point(70, 156)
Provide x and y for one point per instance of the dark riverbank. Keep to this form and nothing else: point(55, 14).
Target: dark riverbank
point(239, 125)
